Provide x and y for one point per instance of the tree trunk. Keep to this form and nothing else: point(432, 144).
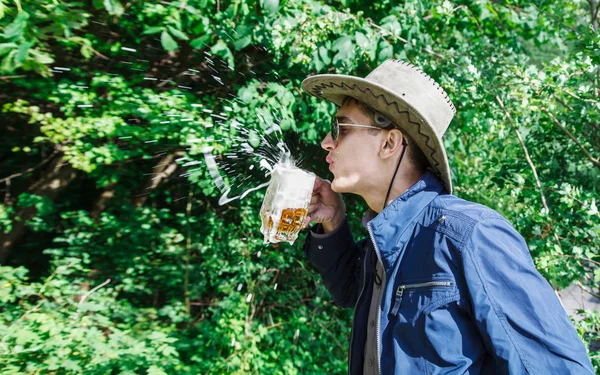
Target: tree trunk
point(161, 172)
point(101, 203)
point(55, 177)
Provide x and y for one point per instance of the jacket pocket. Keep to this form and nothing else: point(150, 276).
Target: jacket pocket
point(428, 293)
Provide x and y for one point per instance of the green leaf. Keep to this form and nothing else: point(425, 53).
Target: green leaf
point(154, 370)
point(391, 24)
point(270, 6)
point(114, 7)
point(17, 26)
point(24, 336)
point(242, 43)
point(316, 61)
point(361, 40)
point(42, 57)
point(324, 55)
point(345, 49)
point(8, 63)
point(597, 275)
point(177, 33)
point(153, 30)
point(168, 42)
point(86, 51)
point(22, 52)
point(6, 47)
point(221, 49)
point(200, 42)
point(386, 51)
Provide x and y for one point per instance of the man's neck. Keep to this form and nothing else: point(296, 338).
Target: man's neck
point(402, 182)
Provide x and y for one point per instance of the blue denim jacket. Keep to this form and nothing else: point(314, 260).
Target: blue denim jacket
point(461, 293)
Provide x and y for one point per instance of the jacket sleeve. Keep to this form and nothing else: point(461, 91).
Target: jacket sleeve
point(520, 318)
point(338, 259)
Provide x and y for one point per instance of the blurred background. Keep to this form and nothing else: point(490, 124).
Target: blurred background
point(115, 256)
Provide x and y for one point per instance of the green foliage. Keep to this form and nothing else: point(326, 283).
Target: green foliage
point(130, 95)
point(5, 218)
point(53, 328)
point(588, 327)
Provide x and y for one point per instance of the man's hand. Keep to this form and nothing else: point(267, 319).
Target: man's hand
point(326, 206)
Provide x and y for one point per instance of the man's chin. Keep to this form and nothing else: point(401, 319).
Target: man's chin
point(339, 188)
point(346, 184)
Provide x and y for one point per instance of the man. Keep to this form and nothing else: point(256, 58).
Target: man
point(441, 285)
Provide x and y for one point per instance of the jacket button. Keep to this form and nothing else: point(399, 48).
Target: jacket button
point(320, 247)
point(370, 363)
point(372, 323)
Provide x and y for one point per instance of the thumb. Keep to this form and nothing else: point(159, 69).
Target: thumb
point(306, 222)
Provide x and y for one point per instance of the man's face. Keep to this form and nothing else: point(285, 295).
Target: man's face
point(353, 158)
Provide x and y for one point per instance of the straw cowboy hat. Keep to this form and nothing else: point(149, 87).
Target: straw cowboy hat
point(404, 93)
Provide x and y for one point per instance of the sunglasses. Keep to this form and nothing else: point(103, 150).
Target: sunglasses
point(335, 128)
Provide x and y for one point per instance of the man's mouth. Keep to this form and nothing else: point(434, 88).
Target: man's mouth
point(330, 161)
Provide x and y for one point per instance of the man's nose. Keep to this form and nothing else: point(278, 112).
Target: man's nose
point(328, 143)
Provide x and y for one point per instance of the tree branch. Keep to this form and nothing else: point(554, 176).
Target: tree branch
point(580, 98)
point(163, 170)
point(373, 24)
point(45, 161)
point(11, 77)
point(562, 102)
point(85, 296)
point(98, 54)
point(594, 14)
point(587, 290)
point(596, 162)
point(188, 252)
point(533, 169)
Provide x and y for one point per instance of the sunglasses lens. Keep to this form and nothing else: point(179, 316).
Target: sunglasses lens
point(334, 129)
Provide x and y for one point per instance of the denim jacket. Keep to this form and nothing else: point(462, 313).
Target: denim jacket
point(461, 292)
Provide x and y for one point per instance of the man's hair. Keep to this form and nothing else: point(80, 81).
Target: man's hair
point(414, 153)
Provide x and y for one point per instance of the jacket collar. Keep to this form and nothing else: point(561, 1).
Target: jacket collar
point(390, 225)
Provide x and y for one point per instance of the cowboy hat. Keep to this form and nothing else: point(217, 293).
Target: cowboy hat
point(410, 98)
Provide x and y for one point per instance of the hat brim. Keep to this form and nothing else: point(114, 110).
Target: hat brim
point(335, 87)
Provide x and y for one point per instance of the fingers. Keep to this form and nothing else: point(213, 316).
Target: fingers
point(306, 222)
point(314, 199)
point(320, 184)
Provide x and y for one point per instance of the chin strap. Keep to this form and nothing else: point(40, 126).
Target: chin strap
point(394, 176)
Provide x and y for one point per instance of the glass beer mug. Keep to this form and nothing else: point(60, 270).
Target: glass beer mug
point(286, 202)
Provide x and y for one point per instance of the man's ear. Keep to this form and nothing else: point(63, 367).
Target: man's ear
point(392, 142)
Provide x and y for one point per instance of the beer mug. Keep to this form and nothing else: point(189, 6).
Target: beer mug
point(286, 202)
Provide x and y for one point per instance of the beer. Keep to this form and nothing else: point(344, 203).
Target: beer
point(286, 202)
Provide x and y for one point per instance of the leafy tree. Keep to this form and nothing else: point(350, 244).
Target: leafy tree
point(117, 256)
